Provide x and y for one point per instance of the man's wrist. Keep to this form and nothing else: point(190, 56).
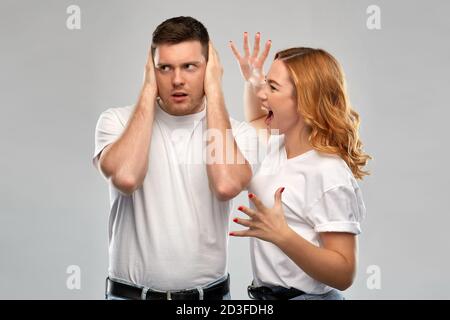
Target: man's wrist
point(213, 90)
point(149, 89)
point(148, 96)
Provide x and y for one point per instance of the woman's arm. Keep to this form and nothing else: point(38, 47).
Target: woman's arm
point(333, 264)
point(252, 71)
point(252, 104)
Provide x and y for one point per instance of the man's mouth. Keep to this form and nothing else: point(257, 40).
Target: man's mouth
point(179, 96)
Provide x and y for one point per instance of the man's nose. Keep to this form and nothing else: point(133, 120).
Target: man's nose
point(177, 79)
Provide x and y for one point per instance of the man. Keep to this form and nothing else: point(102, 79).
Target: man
point(168, 225)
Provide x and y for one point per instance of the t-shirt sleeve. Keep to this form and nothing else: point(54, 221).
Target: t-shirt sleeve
point(340, 209)
point(107, 131)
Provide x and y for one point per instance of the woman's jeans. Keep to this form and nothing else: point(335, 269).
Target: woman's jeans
point(331, 295)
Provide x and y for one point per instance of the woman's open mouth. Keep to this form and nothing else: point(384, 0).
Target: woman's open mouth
point(269, 118)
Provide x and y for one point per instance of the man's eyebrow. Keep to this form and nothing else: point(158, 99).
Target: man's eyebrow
point(162, 64)
point(192, 62)
point(183, 64)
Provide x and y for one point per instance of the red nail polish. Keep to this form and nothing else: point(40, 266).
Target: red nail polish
point(235, 219)
point(231, 234)
point(282, 189)
point(251, 195)
point(240, 208)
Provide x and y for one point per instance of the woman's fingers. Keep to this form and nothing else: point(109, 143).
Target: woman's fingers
point(235, 51)
point(250, 212)
point(251, 62)
point(260, 62)
point(256, 49)
point(241, 233)
point(277, 196)
point(243, 222)
point(266, 50)
point(256, 45)
point(246, 45)
point(258, 204)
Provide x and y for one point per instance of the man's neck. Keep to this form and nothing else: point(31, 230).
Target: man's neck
point(199, 108)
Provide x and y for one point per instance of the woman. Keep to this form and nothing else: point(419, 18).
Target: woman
point(305, 204)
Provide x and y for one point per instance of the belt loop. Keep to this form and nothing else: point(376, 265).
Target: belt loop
point(144, 293)
point(200, 293)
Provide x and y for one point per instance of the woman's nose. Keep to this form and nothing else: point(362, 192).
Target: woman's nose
point(261, 94)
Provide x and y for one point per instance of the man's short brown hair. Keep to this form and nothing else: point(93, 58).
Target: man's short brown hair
point(179, 29)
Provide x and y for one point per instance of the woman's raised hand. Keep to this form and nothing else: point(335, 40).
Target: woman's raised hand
point(251, 64)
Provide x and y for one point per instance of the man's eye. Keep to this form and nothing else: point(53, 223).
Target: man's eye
point(272, 88)
point(164, 68)
point(190, 66)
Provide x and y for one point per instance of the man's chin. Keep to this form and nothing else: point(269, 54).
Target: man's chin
point(179, 108)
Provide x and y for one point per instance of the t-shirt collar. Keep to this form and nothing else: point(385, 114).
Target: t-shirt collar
point(179, 120)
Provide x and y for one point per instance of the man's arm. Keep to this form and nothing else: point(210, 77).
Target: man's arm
point(125, 161)
point(226, 179)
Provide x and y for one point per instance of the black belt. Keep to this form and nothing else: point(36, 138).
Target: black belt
point(215, 292)
point(273, 293)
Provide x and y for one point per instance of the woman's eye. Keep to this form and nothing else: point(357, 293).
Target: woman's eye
point(272, 88)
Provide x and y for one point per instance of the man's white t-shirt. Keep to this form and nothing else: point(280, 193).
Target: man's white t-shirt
point(171, 233)
point(321, 195)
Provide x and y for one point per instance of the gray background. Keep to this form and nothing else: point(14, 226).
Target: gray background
point(55, 82)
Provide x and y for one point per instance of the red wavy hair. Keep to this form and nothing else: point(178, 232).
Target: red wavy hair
point(323, 102)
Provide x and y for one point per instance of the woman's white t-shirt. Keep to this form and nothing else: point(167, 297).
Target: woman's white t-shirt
point(321, 195)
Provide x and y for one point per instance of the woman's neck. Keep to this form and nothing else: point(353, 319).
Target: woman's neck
point(296, 141)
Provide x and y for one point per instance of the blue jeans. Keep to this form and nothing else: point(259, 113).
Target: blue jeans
point(225, 297)
point(331, 295)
